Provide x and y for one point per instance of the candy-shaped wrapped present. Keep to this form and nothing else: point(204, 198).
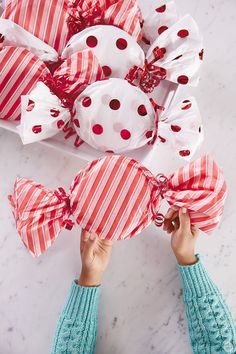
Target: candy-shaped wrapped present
point(116, 198)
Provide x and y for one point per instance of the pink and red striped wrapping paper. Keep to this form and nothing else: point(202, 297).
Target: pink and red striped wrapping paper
point(116, 198)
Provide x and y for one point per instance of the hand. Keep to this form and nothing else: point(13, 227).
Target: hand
point(95, 254)
point(184, 235)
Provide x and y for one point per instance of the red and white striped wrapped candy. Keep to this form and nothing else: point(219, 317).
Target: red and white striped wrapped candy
point(46, 20)
point(20, 72)
point(117, 198)
point(14, 35)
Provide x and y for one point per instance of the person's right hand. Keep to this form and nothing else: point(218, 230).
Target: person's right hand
point(184, 235)
point(95, 255)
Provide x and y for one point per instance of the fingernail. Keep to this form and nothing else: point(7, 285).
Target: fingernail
point(92, 237)
point(184, 210)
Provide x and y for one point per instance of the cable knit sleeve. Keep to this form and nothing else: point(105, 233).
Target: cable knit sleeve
point(77, 326)
point(211, 326)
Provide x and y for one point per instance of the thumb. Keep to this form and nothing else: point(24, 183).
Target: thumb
point(184, 219)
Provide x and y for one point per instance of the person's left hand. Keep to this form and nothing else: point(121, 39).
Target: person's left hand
point(95, 255)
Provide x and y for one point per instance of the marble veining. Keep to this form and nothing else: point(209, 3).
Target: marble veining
point(141, 309)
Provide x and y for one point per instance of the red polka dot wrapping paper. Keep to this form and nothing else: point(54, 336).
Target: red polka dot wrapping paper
point(116, 198)
point(101, 120)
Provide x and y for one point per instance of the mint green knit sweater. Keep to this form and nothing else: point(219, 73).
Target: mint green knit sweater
point(211, 327)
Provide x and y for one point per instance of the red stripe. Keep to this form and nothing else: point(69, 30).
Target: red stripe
point(22, 76)
point(49, 24)
point(136, 206)
point(85, 206)
point(125, 202)
point(59, 34)
point(28, 16)
point(77, 181)
point(7, 55)
point(39, 18)
point(110, 208)
point(105, 192)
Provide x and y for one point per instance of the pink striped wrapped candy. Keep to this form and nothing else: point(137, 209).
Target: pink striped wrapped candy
point(117, 198)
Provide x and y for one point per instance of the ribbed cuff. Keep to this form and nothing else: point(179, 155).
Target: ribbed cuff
point(82, 302)
point(195, 280)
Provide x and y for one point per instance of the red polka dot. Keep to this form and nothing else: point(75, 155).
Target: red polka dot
point(183, 33)
point(125, 134)
point(107, 70)
point(187, 105)
point(184, 152)
point(201, 54)
point(162, 29)
point(142, 110)
point(1, 38)
point(183, 79)
point(175, 128)
point(30, 106)
point(114, 104)
point(161, 9)
point(60, 124)
point(97, 129)
point(121, 43)
point(86, 101)
point(149, 134)
point(54, 112)
point(76, 122)
point(91, 41)
point(37, 129)
point(162, 140)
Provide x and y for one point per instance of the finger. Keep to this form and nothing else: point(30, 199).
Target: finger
point(184, 219)
point(176, 223)
point(89, 247)
point(83, 238)
point(169, 217)
point(170, 213)
point(195, 231)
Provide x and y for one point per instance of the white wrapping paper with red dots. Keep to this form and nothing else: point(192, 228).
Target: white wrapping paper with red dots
point(181, 46)
point(49, 106)
point(42, 115)
point(158, 16)
point(114, 116)
point(180, 126)
point(20, 71)
point(46, 20)
point(115, 49)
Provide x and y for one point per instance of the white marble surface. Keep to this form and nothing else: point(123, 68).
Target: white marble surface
point(141, 309)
